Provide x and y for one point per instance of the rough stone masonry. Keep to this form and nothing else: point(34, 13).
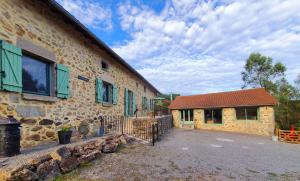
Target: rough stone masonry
point(34, 22)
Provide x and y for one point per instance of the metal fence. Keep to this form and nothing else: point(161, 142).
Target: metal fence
point(145, 128)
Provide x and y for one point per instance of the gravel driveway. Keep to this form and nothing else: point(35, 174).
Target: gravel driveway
point(198, 155)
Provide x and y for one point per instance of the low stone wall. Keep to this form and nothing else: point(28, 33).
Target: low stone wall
point(50, 163)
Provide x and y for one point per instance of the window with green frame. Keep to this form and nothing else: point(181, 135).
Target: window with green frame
point(213, 116)
point(187, 115)
point(107, 92)
point(35, 75)
point(246, 113)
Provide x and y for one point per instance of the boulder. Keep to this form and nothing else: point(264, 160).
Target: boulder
point(68, 164)
point(24, 175)
point(109, 148)
point(39, 160)
point(61, 154)
point(48, 170)
point(89, 157)
point(77, 151)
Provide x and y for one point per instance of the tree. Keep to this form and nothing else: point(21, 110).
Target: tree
point(260, 72)
point(286, 111)
point(297, 81)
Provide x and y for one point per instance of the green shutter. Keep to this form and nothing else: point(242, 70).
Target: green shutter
point(62, 81)
point(11, 67)
point(126, 103)
point(133, 103)
point(143, 102)
point(115, 94)
point(99, 92)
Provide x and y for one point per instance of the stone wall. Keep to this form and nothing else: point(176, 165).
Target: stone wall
point(263, 126)
point(176, 118)
point(34, 22)
point(49, 163)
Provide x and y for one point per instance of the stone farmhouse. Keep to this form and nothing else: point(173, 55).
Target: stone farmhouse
point(54, 72)
point(246, 111)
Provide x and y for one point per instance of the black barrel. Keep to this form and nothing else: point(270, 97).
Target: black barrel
point(10, 137)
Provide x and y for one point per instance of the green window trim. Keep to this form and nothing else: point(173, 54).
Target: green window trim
point(222, 112)
point(248, 120)
point(62, 77)
point(99, 86)
point(115, 95)
point(10, 67)
point(129, 103)
point(187, 113)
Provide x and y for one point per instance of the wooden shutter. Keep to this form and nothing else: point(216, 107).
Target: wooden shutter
point(99, 90)
point(115, 94)
point(62, 81)
point(11, 67)
point(126, 103)
point(133, 103)
point(143, 102)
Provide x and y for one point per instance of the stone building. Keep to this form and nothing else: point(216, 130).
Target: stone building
point(55, 72)
point(246, 111)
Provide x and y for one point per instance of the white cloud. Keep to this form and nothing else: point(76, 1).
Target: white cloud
point(194, 46)
point(89, 12)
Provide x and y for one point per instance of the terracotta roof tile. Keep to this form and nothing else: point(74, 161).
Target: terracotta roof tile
point(249, 97)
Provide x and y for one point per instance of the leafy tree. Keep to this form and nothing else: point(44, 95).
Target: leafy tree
point(297, 81)
point(260, 72)
point(286, 112)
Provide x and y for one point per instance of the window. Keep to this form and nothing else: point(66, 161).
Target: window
point(187, 115)
point(145, 103)
point(246, 113)
point(107, 92)
point(35, 76)
point(104, 65)
point(131, 103)
point(145, 88)
point(213, 116)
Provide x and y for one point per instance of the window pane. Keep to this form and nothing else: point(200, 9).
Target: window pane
point(208, 116)
point(35, 76)
point(251, 113)
point(105, 92)
point(240, 113)
point(186, 115)
point(192, 114)
point(217, 116)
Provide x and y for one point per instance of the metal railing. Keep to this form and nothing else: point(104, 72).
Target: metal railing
point(145, 128)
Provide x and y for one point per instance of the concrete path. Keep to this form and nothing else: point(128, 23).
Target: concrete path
point(199, 155)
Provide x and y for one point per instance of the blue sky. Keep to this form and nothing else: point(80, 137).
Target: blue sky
point(194, 46)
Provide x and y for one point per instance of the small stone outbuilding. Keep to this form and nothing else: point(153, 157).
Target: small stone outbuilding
point(246, 111)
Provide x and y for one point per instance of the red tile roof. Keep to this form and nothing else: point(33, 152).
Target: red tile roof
point(250, 97)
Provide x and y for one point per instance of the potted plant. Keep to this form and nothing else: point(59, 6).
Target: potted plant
point(64, 135)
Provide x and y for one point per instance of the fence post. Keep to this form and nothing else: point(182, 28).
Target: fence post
point(157, 129)
point(153, 134)
point(122, 124)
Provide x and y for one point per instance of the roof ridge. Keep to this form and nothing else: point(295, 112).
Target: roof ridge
point(240, 90)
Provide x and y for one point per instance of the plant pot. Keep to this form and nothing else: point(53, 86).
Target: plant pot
point(64, 137)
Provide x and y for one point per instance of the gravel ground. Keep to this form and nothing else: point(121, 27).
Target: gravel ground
point(198, 155)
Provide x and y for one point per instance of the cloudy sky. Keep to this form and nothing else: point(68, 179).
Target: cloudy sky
point(194, 46)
